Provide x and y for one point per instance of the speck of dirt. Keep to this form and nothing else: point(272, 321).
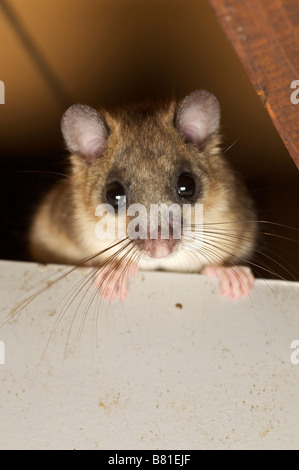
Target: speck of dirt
point(179, 305)
point(264, 433)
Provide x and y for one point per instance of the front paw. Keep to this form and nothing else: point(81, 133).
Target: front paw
point(113, 280)
point(235, 281)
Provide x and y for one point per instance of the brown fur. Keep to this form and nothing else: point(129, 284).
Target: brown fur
point(147, 152)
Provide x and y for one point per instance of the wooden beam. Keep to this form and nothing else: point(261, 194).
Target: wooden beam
point(265, 35)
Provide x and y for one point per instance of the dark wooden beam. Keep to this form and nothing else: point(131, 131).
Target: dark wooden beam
point(265, 35)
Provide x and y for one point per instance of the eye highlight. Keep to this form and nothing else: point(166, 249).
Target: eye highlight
point(116, 195)
point(186, 185)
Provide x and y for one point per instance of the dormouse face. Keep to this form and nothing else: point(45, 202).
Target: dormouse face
point(146, 157)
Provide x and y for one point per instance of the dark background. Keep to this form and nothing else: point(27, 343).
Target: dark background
point(54, 53)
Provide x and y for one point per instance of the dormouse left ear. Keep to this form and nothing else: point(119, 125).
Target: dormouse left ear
point(198, 117)
point(84, 132)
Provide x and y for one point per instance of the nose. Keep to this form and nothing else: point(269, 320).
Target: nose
point(160, 247)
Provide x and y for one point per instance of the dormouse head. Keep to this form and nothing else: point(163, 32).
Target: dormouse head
point(132, 160)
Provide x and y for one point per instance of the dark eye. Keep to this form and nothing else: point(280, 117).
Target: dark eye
point(186, 185)
point(116, 195)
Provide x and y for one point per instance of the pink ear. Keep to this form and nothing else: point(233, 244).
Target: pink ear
point(84, 131)
point(198, 117)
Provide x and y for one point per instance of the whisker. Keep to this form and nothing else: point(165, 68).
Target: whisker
point(56, 173)
point(226, 237)
point(251, 263)
point(82, 283)
point(239, 259)
point(221, 266)
point(261, 241)
point(83, 319)
point(257, 231)
point(68, 270)
point(231, 145)
point(134, 258)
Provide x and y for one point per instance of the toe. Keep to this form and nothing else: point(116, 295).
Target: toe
point(235, 281)
point(225, 281)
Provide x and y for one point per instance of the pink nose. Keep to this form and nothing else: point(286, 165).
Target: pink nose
point(159, 248)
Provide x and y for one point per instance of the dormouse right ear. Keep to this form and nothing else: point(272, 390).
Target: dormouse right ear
point(84, 131)
point(198, 117)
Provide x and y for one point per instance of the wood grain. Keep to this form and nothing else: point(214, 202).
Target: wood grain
point(265, 35)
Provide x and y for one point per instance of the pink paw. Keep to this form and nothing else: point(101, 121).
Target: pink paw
point(113, 281)
point(235, 281)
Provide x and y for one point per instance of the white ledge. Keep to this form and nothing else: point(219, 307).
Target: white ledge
point(175, 366)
